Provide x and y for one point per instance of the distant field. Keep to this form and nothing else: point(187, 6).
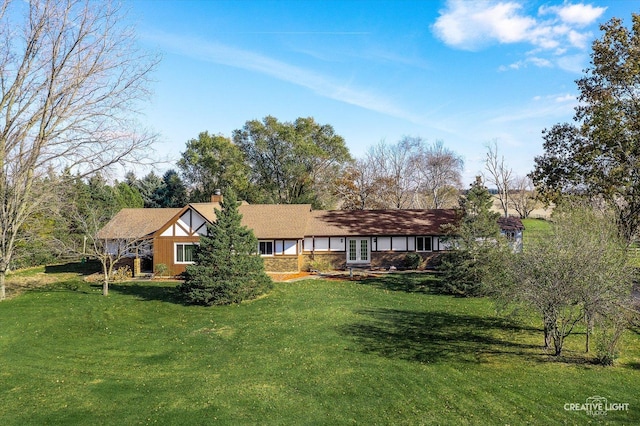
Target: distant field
point(539, 212)
point(380, 351)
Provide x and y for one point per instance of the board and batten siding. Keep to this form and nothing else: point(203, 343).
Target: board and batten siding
point(164, 252)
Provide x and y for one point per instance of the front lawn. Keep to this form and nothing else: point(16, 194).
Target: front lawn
point(382, 351)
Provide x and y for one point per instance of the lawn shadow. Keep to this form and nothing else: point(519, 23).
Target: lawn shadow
point(149, 291)
point(634, 365)
point(434, 337)
point(426, 282)
point(81, 268)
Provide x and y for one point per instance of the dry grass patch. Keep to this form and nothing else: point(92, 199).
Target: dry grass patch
point(17, 284)
point(281, 277)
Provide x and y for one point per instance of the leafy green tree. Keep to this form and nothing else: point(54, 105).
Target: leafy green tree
point(289, 162)
point(228, 268)
point(600, 155)
point(578, 272)
point(213, 162)
point(476, 243)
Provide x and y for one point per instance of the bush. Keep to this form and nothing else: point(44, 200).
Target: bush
point(122, 274)
point(412, 261)
point(460, 274)
point(161, 269)
point(321, 265)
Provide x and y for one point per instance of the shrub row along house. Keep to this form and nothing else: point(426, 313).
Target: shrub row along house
point(291, 236)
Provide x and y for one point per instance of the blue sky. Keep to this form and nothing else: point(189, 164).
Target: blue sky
point(466, 73)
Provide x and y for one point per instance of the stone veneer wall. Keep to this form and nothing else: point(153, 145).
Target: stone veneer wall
point(378, 259)
point(338, 260)
point(281, 263)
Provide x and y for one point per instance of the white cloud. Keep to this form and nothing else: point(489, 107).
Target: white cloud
point(565, 98)
point(471, 25)
point(558, 98)
point(534, 60)
point(573, 63)
point(579, 40)
point(576, 14)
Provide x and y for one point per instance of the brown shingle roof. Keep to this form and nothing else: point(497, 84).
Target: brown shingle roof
point(287, 221)
point(290, 221)
point(379, 222)
point(136, 223)
point(510, 223)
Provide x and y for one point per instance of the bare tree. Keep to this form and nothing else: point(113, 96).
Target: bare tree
point(71, 82)
point(108, 241)
point(110, 251)
point(440, 175)
point(522, 197)
point(358, 186)
point(395, 169)
point(499, 175)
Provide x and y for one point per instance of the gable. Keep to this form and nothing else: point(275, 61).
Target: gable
point(136, 223)
point(188, 223)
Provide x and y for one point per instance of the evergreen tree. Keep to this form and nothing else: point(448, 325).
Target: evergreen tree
point(173, 192)
point(126, 196)
point(149, 187)
point(228, 268)
point(476, 240)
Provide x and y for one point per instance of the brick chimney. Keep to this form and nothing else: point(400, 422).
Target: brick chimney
point(217, 196)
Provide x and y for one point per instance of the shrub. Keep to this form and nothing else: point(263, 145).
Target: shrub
point(461, 274)
point(161, 269)
point(320, 264)
point(122, 274)
point(412, 261)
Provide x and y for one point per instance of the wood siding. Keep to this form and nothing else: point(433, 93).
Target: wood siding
point(163, 252)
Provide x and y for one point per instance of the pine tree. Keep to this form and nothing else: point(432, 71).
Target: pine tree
point(476, 240)
point(227, 267)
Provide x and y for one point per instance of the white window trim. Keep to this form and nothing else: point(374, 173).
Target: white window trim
point(273, 247)
point(175, 253)
point(430, 245)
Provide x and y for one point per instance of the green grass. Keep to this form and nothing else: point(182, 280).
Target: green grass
point(535, 226)
point(384, 351)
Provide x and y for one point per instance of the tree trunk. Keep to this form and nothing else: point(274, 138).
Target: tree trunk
point(3, 275)
point(547, 337)
point(589, 323)
point(105, 284)
point(558, 340)
point(106, 272)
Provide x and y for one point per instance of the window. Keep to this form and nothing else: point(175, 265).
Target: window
point(384, 243)
point(399, 243)
point(184, 252)
point(423, 243)
point(265, 248)
point(511, 235)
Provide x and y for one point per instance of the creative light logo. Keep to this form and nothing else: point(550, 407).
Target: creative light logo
point(597, 406)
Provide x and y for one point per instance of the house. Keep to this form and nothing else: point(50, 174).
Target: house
point(290, 236)
point(512, 228)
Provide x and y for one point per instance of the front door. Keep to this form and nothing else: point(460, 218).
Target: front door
point(358, 250)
